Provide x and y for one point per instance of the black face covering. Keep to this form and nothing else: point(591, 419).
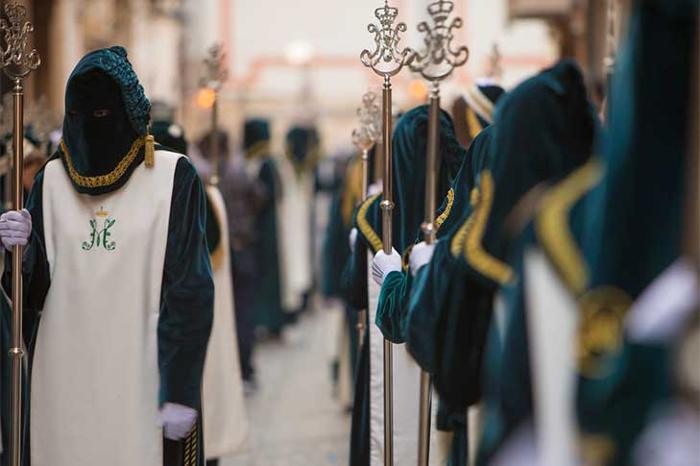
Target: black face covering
point(96, 128)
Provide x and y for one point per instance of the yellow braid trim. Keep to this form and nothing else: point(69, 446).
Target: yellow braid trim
point(102, 180)
point(474, 252)
point(552, 225)
point(365, 228)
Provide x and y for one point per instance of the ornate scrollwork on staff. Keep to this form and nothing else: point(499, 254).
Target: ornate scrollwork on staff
point(215, 73)
point(370, 129)
point(387, 59)
point(440, 56)
point(17, 60)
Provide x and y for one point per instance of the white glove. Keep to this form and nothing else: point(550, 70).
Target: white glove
point(420, 255)
point(353, 239)
point(383, 265)
point(15, 228)
point(374, 188)
point(177, 420)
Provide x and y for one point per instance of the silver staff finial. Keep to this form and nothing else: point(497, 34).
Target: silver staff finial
point(440, 57)
point(215, 73)
point(370, 129)
point(388, 58)
point(17, 60)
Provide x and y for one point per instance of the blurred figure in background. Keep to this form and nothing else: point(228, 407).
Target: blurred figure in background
point(243, 196)
point(267, 289)
point(297, 173)
point(225, 419)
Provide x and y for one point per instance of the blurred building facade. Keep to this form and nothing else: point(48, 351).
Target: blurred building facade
point(298, 61)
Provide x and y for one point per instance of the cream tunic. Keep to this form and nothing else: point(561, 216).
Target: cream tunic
point(95, 380)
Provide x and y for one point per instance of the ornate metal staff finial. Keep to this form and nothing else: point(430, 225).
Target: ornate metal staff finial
point(364, 138)
point(495, 67)
point(213, 77)
point(388, 58)
point(215, 74)
point(440, 57)
point(370, 129)
point(17, 61)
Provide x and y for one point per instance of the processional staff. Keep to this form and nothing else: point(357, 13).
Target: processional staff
point(215, 74)
point(435, 63)
point(364, 138)
point(387, 60)
point(17, 62)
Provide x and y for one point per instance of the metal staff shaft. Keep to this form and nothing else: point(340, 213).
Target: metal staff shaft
point(17, 62)
point(387, 206)
point(214, 141)
point(428, 227)
point(386, 60)
point(16, 350)
point(435, 63)
point(362, 315)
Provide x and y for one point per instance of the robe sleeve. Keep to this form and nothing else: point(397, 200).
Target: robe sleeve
point(213, 228)
point(425, 305)
point(187, 299)
point(353, 282)
point(392, 306)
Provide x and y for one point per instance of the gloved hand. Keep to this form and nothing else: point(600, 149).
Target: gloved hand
point(420, 255)
point(15, 228)
point(383, 264)
point(177, 420)
point(353, 239)
point(374, 188)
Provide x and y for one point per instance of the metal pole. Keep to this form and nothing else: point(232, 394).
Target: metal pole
point(428, 227)
point(17, 62)
point(16, 350)
point(214, 76)
point(214, 141)
point(435, 64)
point(386, 60)
point(364, 138)
point(387, 206)
point(362, 315)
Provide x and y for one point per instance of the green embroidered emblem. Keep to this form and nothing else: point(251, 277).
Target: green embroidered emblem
point(100, 237)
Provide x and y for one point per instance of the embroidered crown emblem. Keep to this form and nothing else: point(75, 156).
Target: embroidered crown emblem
point(102, 213)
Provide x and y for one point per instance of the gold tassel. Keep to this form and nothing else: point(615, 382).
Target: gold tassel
point(150, 156)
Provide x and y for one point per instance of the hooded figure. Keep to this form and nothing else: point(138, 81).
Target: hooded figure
point(269, 312)
point(606, 248)
point(409, 139)
point(559, 118)
point(297, 172)
point(118, 284)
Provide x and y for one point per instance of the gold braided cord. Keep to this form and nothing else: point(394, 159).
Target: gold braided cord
point(108, 179)
point(474, 252)
point(552, 225)
point(448, 209)
point(191, 448)
point(365, 228)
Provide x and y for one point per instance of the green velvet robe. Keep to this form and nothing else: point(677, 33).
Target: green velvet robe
point(542, 129)
point(268, 306)
point(410, 138)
